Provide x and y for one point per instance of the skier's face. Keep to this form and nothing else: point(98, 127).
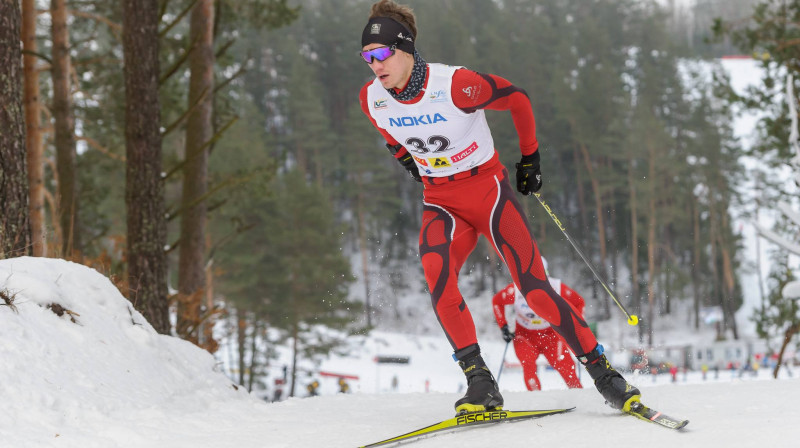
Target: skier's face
point(394, 71)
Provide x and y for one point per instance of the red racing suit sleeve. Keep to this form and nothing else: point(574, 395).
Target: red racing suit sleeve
point(500, 300)
point(572, 297)
point(472, 91)
point(362, 98)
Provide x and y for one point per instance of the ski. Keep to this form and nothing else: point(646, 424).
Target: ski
point(641, 411)
point(468, 420)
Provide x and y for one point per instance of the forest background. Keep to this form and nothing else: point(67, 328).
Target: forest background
point(211, 157)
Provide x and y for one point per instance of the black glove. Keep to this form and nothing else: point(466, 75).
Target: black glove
point(508, 336)
point(529, 176)
point(407, 161)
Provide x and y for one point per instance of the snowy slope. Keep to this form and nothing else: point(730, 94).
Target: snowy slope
point(108, 380)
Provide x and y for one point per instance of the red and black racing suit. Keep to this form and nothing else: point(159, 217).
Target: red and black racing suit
point(481, 200)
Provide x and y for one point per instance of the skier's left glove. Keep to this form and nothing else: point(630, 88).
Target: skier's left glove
point(407, 161)
point(508, 336)
point(529, 175)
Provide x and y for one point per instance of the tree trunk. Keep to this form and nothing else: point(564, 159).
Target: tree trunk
point(33, 129)
point(199, 129)
point(601, 226)
point(206, 331)
point(715, 269)
point(295, 335)
point(362, 242)
point(318, 168)
point(787, 338)
point(581, 200)
point(634, 245)
point(761, 293)
point(612, 239)
point(144, 185)
point(651, 251)
point(664, 266)
point(696, 262)
point(241, 340)
point(15, 229)
point(251, 366)
point(728, 290)
point(301, 158)
point(358, 176)
point(64, 133)
point(729, 277)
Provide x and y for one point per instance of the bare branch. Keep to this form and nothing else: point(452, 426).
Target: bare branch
point(97, 146)
point(239, 230)
point(231, 181)
point(177, 122)
point(171, 71)
point(162, 10)
point(211, 141)
point(238, 73)
point(116, 28)
point(183, 13)
point(224, 48)
point(38, 55)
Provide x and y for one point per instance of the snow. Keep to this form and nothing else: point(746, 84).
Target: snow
point(109, 380)
point(792, 290)
point(744, 73)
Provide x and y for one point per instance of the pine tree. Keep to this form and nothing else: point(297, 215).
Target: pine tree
point(199, 131)
point(144, 197)
point(15, 231)
point(297, 280)
point(310, 274)
point(780, 317)
point(33, 131)
point(310, 135)
point(64, 134)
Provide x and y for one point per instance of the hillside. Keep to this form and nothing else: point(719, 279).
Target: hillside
point(99, 376)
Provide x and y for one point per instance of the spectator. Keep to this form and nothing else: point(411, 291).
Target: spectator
point(344, 388)
point(312, 388)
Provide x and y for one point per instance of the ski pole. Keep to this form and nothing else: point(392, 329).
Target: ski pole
point(632, 318)
point(502, 363)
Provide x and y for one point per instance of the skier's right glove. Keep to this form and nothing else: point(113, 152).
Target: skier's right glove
point(508, 336)
point(529, 175)
point(407, 161)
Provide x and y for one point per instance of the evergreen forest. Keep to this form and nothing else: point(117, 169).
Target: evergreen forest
point(212, 159)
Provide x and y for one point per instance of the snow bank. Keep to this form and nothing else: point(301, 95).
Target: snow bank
point(107, 380)
point(100, 358)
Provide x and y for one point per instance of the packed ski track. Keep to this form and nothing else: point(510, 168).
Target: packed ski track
point(109, 380)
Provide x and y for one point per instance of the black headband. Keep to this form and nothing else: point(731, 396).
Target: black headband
point(387, 31)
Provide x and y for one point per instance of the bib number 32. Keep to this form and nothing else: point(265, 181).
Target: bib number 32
point(440, 142)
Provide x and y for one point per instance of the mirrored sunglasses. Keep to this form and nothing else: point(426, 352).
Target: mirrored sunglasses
point(380, 53)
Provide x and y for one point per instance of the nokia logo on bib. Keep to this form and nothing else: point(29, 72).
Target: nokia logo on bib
point(416, 120)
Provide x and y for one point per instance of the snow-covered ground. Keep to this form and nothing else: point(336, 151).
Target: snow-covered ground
point(99, 376)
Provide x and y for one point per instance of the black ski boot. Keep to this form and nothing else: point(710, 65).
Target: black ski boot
point(611, 385)
point(482, 392)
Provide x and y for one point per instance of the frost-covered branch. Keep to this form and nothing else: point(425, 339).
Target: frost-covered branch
point(792, 290)
point(779, 240)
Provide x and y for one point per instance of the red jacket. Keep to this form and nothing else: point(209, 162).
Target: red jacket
point(507, 296)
